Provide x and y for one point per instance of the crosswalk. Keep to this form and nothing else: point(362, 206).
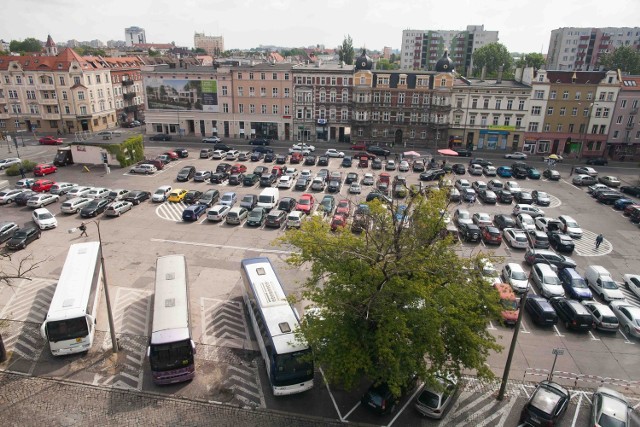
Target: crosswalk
point(586, 246)
point(171, 211)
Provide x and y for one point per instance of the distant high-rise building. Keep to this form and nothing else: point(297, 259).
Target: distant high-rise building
point(134, 35)
point(73, 43)
point(580, 49)
point(213, 45)
point(421, 49)
point(386, 52)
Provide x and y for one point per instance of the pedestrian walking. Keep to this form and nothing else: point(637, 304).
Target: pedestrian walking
point(22, 173)
point(83, 228)
point(599, 240)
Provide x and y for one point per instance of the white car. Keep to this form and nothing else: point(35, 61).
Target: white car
point(355, 188)
point(305, 173)
point(218, 155)
point(62, 188)
point(295, 218)
point(332, 152)
point(570, 226)
point(513, 187)
point(525, 222)
point(301, 146)
point(489, 170)
point(632, 282)
point(44, 219)
point(117, 194)
point(229, 198)
point(607, 288)
point(462, 216)
point(596, 187)
point(285, 182)
point(41, 200)
point(232, 155)
point(629, 317)
point(291, 172)
point(403, 166)
point(144, 168)
point(5, 163)
point(515, 238)
point(517, 155)
point(8, 196)
point(495, 184)
point(211, 139)
point(368, 179)
point(514, 275)
point(25, 183)
point(604, 318)
point(161, 194)
point(98, 193)
point(218, 212)
point(318, 184)
point(531, 210)
point(80, 191)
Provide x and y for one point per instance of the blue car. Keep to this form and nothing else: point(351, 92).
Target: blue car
point(533, 173)
point(620, 204)
point(504, 172)
point(574, 285)
point(193, 212)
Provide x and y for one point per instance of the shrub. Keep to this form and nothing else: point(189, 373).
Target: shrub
point(14, 170)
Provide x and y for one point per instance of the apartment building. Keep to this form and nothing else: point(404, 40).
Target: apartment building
point(128, 89)
point(421, 49)
point(580, 49)
point(47, 94)
point(624, 133)
point(213, 45)
point(134, 36)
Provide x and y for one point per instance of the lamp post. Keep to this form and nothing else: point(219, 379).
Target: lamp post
point(512, 348)
point(112, 329)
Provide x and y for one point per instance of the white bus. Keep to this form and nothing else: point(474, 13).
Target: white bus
point(70, 323)
point(171, 350)
point(288, 362)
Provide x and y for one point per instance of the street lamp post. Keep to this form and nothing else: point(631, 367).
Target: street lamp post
point(512, 348)
point(112, 329)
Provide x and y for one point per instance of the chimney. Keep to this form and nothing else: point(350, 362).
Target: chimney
point(483, 73)
point(499, 79)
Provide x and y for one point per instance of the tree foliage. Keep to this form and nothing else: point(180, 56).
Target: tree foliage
point(89, 51)
point(385, 64)
point(492, 55)
point(27, 45)
point(533, 59)
point(345, 51)
point(394, 301)
point(625, 58)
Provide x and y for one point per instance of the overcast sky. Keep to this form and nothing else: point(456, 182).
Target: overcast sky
point(523, 26)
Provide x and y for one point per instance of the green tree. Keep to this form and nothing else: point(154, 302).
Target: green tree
point(200, 50)
point(492, 56)
point(345, 51)
point(89, 51)
point(535, 60)
point(394, 301)
point(153, 52)
point(27, 45)
point(385, 64)
point(625, 58)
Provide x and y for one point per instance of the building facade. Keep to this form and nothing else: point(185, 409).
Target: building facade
point(322, 95)
point(421, 49)
point(50, 94)
point(624, 134)
point(128, 89)
point(134, 35)
point(580, 49)
point(213, 45)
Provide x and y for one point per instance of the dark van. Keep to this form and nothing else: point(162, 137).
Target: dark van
point(541, 312)
point(573, 314)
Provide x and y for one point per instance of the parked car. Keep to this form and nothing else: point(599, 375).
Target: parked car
point(8, 195)
point(540, 198)
point(514, 275)
point(160, 137)
point(515, 238)
point(276, 218)
point(546, 406)
point(533, 256)
point(597, 161)
point(144, 168)
point(561, 242)
point(137, 196)
point(295, 219)
point(41, 200)
point(177, 195)
point(202, 176)
point(551, 174)
point(432, 402)
point(50, 140)
point(604, 319)
point(573, 314)
point(44, 219)
point(504, 196)
point(25, 183)
point(94, 208)
point(118, 207)
point(469, 232)
point(229, 198)
point(61, 188)
point(22, 198)
point(44, 169)
point(631, 190)
point(23, 236)
point(7, 228)
point(586, 170)
point(570, 226)
point(541, 311)
point(161, 194)
point(610, 408)
point(629, 317)
point(236, 215)
point(504, 172)
point(503, 221)
point(218, 212)
point(538, 239)
point(599, 279)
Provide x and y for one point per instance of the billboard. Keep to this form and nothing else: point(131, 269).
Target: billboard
point(179, 94)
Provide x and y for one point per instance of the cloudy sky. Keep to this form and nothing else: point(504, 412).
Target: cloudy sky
point(523, 26)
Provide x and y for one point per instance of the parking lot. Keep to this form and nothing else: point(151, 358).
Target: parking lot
point(229, 369)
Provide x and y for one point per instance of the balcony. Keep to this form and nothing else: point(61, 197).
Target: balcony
point(129, 96)
point(45, 86)
point(48, 101)
point(127, 82)
point(131, 109)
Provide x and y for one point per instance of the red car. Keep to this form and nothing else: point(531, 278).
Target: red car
point(42, 185)
point(49, 140)
point(338, 221)
point(296, 158)
point(491, 235)
point(238, 168)
point(630, 209)
point(343, 208)
point(305, 204)
point(44, 169)
point(172, 155)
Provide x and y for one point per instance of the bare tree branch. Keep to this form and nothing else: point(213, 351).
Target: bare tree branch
point(24, 268)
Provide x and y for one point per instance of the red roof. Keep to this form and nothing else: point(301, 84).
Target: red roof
point(61, 61)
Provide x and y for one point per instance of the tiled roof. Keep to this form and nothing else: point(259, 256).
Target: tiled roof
point(61, 61)
point(581, 77)
point(630, 83)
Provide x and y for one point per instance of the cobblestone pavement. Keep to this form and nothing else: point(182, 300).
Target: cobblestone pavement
point(31, 401)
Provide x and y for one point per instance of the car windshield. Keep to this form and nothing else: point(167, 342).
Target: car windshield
point(551, 280)
point(546, 400)
point(464, 215)
point(542, 195)
point(46, 215)
point(572, 224)
point(578, 283)
point(609, 284)
point(607, 420)
point(429, 399)
point(304, 202)
point(255, 214)
point(518, 275)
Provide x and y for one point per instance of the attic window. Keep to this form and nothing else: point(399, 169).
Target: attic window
point(59, 66)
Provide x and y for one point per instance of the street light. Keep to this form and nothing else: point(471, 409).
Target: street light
point(112, 329)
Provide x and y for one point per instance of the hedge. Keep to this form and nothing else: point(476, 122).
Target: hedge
point(14, 170)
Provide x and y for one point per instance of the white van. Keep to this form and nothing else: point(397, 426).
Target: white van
point(600, 280)
point(161, 194)
point(269, 198)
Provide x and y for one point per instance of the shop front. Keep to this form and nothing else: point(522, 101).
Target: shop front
point(490, 139)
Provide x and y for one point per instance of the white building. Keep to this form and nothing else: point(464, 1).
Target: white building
point(134, 35)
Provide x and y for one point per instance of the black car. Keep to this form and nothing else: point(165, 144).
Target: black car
point(22, 198)
point(223, 167)
point(95, 207)
point(186, 173)
point(547, 404)
point(281, 159)
point(351, 177)
point(480, 161)
point(260, 141)
point(633, 191)
point(376, 163)
point(524, 198)
point(209, 197)
point(597, 161)
point(432, 175)
point(379, 398)
point(378, 151)
point(276, 218)
point(137, 196)
point(503, 221)
point(418, 166)
point(310, 160)
point(347, 161)
point(222, 147)
point(23, 236)
point(545, 256)
point(572, 313)
point(302, 183)
point(269, 157)
point(488, 197)
point(236, 179)
point(256, 216)
point(469, 232)
point(561, 242)
point(257, 156)
point(458, 169)
point(463, 152)
point(259, 170)
point(192, 197)
point(181, 152)
point(375, 194)
point(250, 180)
point(267, 179)
point(219, 177)
point(323, 161)
point(504, 196)
point(609, 197)
point(334, 186)
point(160, 137)
point(287, 204)
point(541, 311)
point(519, 170)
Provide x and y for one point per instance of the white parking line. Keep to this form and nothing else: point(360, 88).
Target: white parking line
point(557, 331)
point(593, 338)
point(211, 245)
point(491, 327)
point(409, 401)
point(575, 416)
point(626, 340)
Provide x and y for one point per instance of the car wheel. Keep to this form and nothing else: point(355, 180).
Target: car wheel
point(566, 324)
point(627, 330)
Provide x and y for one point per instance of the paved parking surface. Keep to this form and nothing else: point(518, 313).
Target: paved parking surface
point(229, 369)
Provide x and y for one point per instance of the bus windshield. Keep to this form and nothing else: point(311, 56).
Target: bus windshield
point(68, 329)
point(165, 357)
point(291, 368)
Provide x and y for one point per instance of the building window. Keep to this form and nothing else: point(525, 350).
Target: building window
point(415, 99)
point(240, 108)
point(547, 127)
point(535, 110)
point(533, 127)
point(474, 103)
point(250, 76)
point(287, 110)
point(274, 76)
point(598, 112)
point(553, 94)
point(619, 120)
point(559, 127)
point(76, 80)
point(225, 91)
point(263, 76)
point(574, 111)
point(332, 114)
point(386, 116)
point(623, 103)
point(605, 112)
point(443, 82)
point(589, 96)
point(376, 98)
point(263, 92)
point(483, 120)
point(563, 111)
point(83, 110)
point(521, 105)
point(498, 103)
point(539, 94)
point(240, 91)
point(401, 98)
point(345, 95)
point(550, 111)
point(509, 104)
point(507, 120)
point(98, 79)
point(252, 108)
point(286, 76)
point(472, 120)
point(485, 104)
point(577, 96)
point(81, 95)
point(518, 122)
point(274, 92)
point(565, 94)
point(615, 134)
point(496, 119)
point(423, 134)
point(286, 92)
point(252, 91)
point(387, 97)
point(299, 113)
point(67, 110)
point(62, 81)
point(263, 109)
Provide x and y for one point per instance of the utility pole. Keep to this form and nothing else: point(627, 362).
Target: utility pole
point(512, 348)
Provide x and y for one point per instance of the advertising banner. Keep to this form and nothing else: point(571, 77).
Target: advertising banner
point(179, 94)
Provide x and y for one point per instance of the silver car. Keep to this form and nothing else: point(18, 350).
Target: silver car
point(42, 200)
point(118, 207)
point(547, 281)
point(433, 401)
point(629, 317)
point(609, 408)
